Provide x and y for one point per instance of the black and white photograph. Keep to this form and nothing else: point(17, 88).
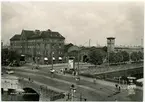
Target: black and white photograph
point(72, 50)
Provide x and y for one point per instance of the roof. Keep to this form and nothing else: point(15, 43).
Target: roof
point(16, 37)
point(48, 34)
point(41, 34)
point(28, 33)
point(111, 38)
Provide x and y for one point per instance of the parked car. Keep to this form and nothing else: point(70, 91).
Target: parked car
point(10, 72)
point(14, 63)
point(52, 70)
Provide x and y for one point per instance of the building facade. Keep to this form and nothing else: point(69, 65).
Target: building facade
point(39, 46)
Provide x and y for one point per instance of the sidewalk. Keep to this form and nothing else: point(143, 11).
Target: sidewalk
point(103, 82)
point(59, 64)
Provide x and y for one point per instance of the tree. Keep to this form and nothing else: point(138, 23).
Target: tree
point(13, 55)
point(140, 54)
point(112, 57)
point(105, 48)
point(96, 56)
point(9, 56)
point(4, 56)
point(125, 56)
point(135, 56)
point(118, 57)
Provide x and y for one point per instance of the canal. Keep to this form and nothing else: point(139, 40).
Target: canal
point(11, 90)
point(19, 96)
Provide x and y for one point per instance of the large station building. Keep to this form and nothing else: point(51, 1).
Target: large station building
point(39, 46)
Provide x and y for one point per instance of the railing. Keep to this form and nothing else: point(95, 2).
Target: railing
point(99, 70)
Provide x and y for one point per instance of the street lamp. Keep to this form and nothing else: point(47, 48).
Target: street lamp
point(73, 91)
point(52, 53)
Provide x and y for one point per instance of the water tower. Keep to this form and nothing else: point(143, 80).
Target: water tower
point(110, 44)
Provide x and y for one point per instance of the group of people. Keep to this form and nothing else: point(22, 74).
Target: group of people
point(62, 71)
point(118, 87)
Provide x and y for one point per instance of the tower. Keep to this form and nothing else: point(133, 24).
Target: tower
point(110, 44)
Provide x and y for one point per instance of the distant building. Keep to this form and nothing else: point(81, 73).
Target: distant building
point(129, 49)
point(4, 46)
point(112, 48)
point(39, 45)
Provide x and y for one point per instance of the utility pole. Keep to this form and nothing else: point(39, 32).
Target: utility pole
point(80, 96)
point(52, 59)
point(108, 58)
point(89, 42)
point(52, 71)
point(78, 63)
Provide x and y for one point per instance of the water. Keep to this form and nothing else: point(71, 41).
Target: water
point(6, 96)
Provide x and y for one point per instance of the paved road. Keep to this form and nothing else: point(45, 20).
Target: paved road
point(92, 92)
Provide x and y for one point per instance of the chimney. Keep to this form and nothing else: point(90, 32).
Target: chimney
point(37, 31)
point(49, 30)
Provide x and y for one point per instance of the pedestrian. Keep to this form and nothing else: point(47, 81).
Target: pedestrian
point(29, 79)
point(116, 85)
point(64, 72)
point(94, 80)
point(40, 87)
point(119, 88)
point(74, 73)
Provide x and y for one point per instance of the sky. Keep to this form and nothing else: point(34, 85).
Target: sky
point(77, 21)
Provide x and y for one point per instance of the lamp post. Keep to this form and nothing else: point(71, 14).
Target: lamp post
point(73, 91)
point(52, 59)
point(78, 63)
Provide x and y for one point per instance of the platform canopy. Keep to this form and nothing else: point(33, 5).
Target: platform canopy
point(73, 48)
point(53, 58)
point(140, 80)
point(46, 58)
point(22, 55)
point(60, 58)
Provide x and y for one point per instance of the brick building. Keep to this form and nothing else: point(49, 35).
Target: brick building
point(39, 45)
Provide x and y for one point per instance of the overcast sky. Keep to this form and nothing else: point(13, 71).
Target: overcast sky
point(77, 21)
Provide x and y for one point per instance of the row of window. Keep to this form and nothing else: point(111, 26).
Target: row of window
point(16, 46)
point(31, 45)
point(37, 41)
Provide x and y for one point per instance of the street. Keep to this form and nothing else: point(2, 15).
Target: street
point(88, 89)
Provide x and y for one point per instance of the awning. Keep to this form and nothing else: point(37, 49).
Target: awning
point(60, 58)
point(45, 58)
point(53, 58)
point(131, 78)
point(140, 80)
point(22, 55)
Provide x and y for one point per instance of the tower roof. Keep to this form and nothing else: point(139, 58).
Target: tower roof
point(110, 37)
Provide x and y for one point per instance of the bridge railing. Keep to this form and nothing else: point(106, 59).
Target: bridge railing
point(97, 70)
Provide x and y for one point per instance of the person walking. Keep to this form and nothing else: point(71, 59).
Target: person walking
point(95, 81)
point(116, 85)
point(119, 88)
point(29, 79)
point(116, 100)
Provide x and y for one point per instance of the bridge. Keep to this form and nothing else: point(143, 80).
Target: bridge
point(44, 92)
